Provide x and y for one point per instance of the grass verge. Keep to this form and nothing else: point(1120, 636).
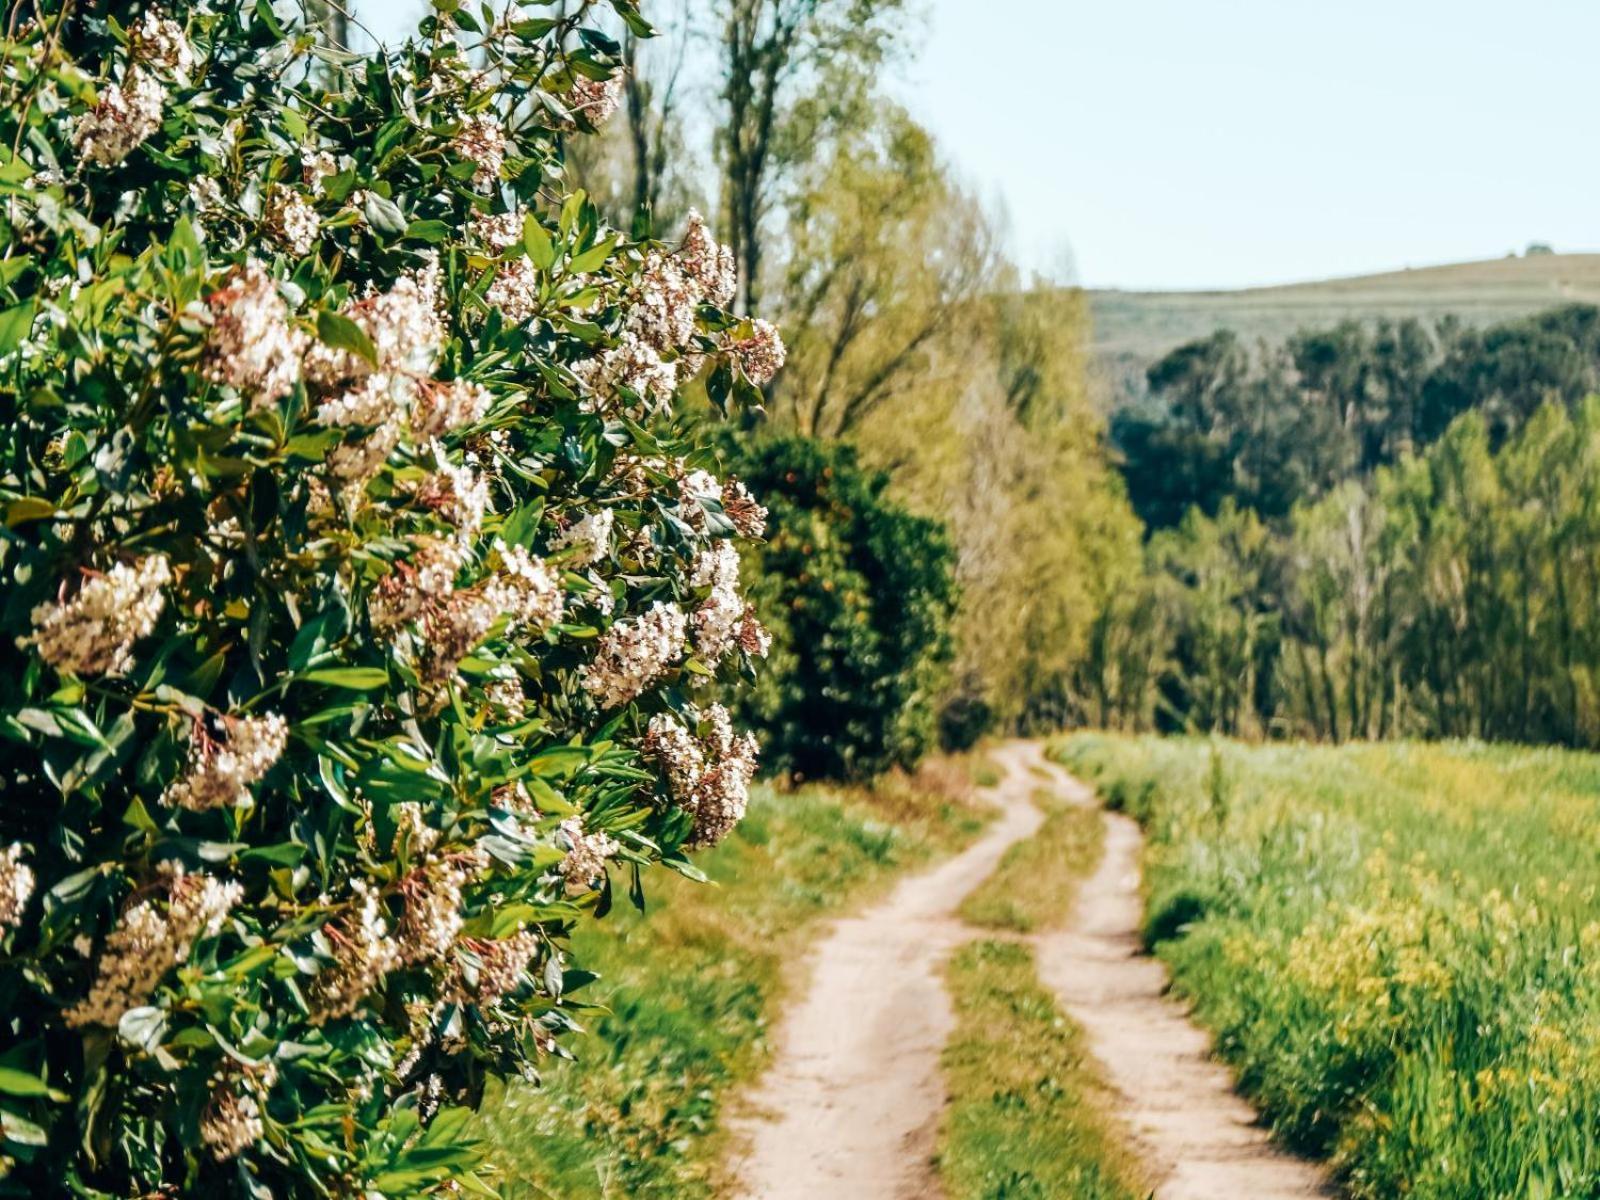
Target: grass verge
point(693, 984)
point(1038, 878)
point(1024, 1118)
point(1398, 945)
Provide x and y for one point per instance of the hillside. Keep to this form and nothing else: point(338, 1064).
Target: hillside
point(1133, 329)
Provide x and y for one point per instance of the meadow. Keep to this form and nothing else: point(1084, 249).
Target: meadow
point(1397, 946)
point(1148, 324)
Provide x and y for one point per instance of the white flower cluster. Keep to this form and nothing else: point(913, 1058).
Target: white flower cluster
point(667, 311)
point(219, 773)
point(125, 116)
point(371, 402)
point(761, 355)
point(597, 99)
point(407, 332)
point(443, 407)
point(656, 348)
point(708, 774)
point(148, 942)
point(635, 364)
point(16, 887)
point(719, 623)
point(743, 510)
point(364, 953)
point(158, 41)
point(526, 589)
point(451, 630)
point(507, 698)
point(293, 221)
point(499, 231)
point(432, 916)
point(502, 966)
point(634, 653)
point(403, 323)
point(205, 193)
point(482, 141)
point(459, 495)
point(413, 586)
point(527, 592)
point(587, 853)
point(588, 540)
point(127, 113)
point(252, 347)
point(93, 633)
point(694, 488)
point(514, 290)
point(709, 263)
point(315, 168)
point(520, 586)
point(231, 1123)
point(412, 835)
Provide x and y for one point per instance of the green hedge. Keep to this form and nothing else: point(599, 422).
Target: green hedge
point(859, 596)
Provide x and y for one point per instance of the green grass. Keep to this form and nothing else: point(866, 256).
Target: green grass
point(1023, 1121)
point(1145, 325)
point(1037, 880)
point(692, 988)
point(1398, 945)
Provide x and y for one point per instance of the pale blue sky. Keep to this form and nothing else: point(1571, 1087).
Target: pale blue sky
point(1223, 143)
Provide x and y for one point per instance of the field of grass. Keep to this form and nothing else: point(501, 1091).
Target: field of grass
point(692, 986)
point(1037, 879)
point(1397, 945)
point(1132, 330)
point(1148, 324)
point(1023, 1121)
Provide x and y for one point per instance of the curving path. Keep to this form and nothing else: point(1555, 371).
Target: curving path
point(850, 1108)
point(1201, 1141)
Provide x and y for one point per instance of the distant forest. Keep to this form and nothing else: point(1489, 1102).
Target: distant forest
point(1372, 530)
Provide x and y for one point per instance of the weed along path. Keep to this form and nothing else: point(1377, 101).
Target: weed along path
point(849, 1109)
point(1201, 1141)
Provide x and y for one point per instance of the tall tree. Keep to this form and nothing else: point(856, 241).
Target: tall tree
point(914, 253)
point(770, 50)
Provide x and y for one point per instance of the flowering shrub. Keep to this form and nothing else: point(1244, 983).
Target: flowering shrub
point(860, 596)
point(360, 587)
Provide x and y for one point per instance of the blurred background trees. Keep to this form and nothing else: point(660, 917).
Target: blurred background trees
point(911, 339)
point(1373, 530)
point(1370, 528)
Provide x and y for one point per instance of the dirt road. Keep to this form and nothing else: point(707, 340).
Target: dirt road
point(1199, 1138)
point(850, 1107)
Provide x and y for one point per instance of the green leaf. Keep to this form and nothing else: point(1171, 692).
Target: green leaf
point(355, 679)
point(383, 214)
point(427, 231)
point(11, 269)
point(593, 258)
point(342, 333)
point(536, 239)
point(15, 323)
point(284, 854)
point(20, 1083)
point(142, 1027)
point(20, 1131)
point(29, 508)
